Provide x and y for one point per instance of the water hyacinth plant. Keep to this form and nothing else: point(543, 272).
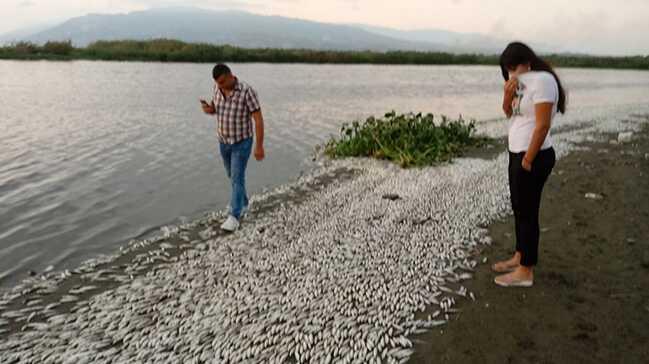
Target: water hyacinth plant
point(410, 140)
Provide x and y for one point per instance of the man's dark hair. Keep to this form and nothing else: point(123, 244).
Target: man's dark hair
point(220, 70)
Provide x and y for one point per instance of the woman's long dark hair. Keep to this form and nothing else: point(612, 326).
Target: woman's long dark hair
point(518, 53)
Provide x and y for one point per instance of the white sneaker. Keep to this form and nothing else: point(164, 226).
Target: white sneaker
point(231, 224)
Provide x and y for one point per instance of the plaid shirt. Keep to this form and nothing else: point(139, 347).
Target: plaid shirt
point(234, 112)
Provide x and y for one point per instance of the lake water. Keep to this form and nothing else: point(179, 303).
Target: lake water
point(93, 154)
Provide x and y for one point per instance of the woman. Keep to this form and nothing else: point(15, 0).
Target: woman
point(533, 95)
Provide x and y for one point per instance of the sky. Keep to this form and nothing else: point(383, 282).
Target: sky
point(592, 26)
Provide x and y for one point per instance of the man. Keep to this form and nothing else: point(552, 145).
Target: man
point(235, 105)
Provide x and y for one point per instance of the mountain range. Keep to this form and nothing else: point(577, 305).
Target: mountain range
point(248, 30)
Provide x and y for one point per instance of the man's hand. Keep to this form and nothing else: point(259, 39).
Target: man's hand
point(259, 153)
point(259, 134)
point(207, 108)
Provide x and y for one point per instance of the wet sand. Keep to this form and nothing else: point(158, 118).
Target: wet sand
point(590, 301)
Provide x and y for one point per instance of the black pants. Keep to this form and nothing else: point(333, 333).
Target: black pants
point(525, 189)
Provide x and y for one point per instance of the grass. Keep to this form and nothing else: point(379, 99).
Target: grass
point(169, 50)
point(409, 140)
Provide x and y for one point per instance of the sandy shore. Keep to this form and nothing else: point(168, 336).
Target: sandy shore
point(590, 302)
point(329, 269)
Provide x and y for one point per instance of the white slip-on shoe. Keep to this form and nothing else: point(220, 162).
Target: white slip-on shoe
point(513, 282)
point(231, 224)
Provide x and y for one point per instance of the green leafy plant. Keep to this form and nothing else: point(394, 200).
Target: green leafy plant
point(410, 140)
point(58, 48)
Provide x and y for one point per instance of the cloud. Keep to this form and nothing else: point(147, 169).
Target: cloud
point(26, 4)
point(210, 4)
point(594, 31)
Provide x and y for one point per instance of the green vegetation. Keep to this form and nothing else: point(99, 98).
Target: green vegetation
point(27, 50)
point(165, 50)
point(410, 140)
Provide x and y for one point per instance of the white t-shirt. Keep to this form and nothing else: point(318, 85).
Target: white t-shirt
point(534, 87)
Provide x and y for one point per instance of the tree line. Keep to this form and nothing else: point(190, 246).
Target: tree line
point(169, 50)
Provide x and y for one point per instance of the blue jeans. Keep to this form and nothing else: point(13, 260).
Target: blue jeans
point(235, 158)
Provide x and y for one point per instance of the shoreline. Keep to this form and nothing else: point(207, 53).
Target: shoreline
point(324, 63)
point(589, 302)
point(150, 260)
point(139, 256)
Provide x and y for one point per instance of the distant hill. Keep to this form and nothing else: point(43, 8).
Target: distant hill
point(454, 41)
point(248, 30)
point(236, 28)
point(23, 33)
